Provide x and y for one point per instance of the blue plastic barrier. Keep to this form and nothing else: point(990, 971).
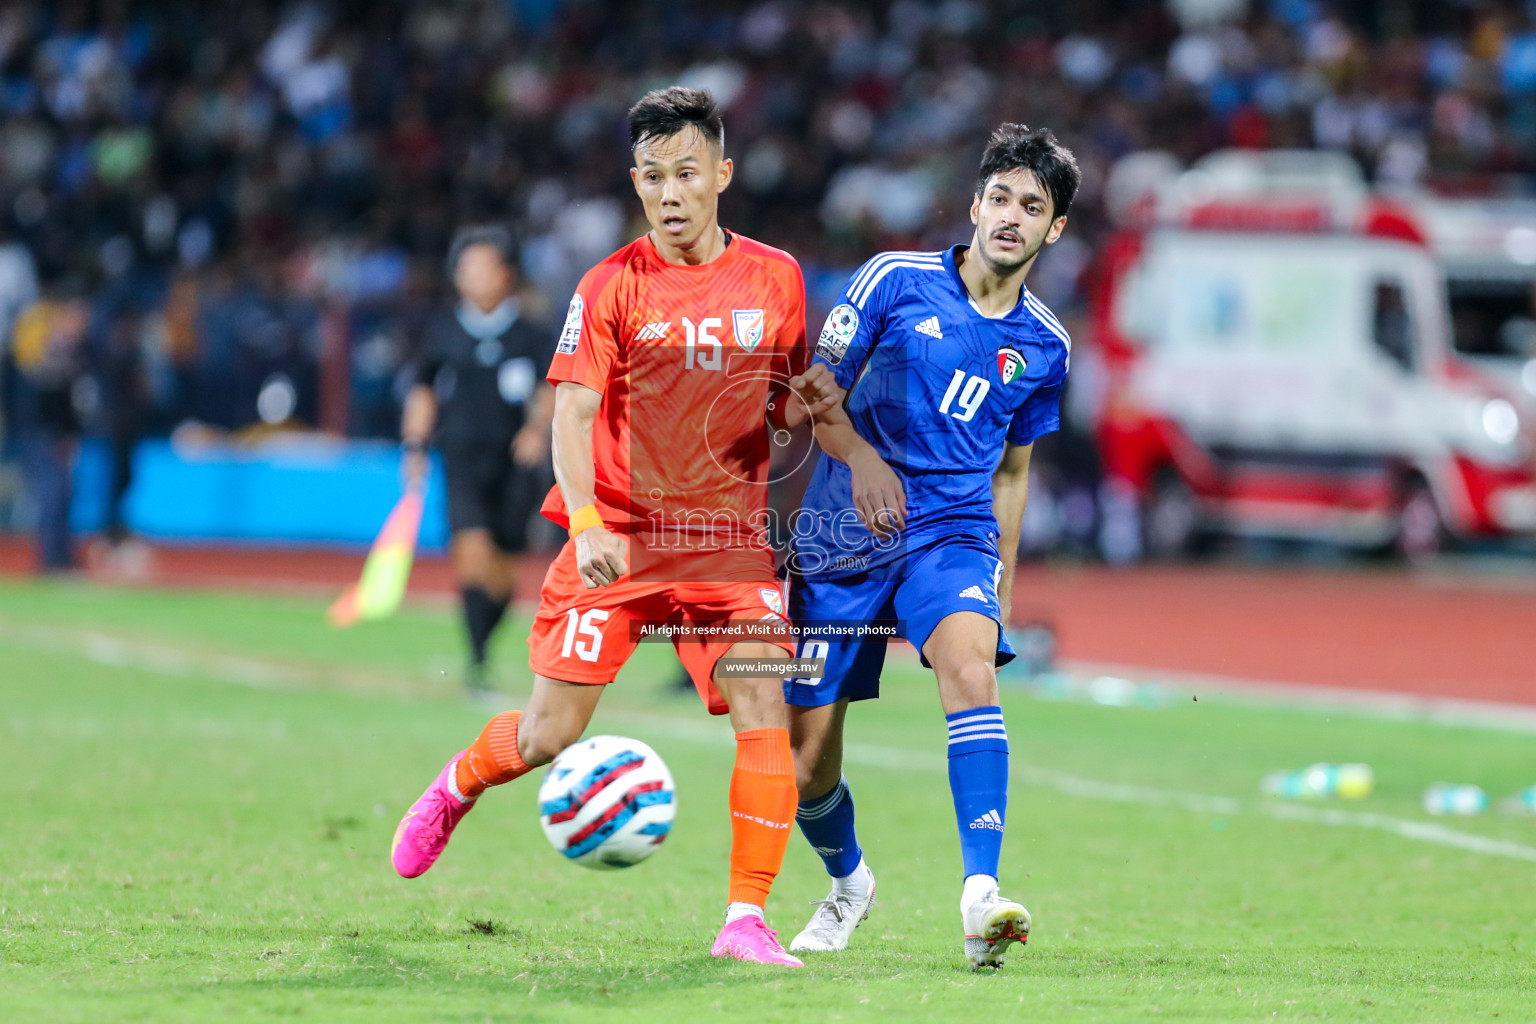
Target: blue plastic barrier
point(309, 491)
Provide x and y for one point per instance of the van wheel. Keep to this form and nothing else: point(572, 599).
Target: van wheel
point(1172, 518)
point(1421, 532)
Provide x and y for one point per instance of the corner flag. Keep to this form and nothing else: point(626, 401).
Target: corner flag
point(378, 593)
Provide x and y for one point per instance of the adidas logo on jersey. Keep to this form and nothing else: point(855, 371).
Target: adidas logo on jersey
point(973, 592)
point(991, 820)
point(930, 327)
point(654, 332)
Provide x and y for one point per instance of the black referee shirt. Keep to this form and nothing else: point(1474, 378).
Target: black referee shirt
point(484, 369)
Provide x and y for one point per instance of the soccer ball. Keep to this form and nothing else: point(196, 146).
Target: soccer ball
point(607, 802)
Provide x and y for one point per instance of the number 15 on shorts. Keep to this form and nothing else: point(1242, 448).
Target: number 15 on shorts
point(582, 637)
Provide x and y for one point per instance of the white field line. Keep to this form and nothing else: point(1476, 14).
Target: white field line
point(173, 661)
point(1425, 831)
point(896, 759)
point(165, 659)
point(1399, 707)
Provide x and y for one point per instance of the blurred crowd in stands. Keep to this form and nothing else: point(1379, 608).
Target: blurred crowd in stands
point(237, 214)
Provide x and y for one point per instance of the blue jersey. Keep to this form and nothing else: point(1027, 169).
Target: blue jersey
point(936, 388)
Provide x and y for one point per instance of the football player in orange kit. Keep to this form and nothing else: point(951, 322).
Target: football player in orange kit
point(674, 350)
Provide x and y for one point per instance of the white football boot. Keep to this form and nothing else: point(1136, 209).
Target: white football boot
point(844, 909)
point(992, 924)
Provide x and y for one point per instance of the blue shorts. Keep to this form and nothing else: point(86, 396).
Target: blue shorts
point(958, 573)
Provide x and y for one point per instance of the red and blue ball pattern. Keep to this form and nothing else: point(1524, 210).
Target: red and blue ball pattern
point(607, 802)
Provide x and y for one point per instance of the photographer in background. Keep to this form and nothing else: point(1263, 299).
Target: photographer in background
point(481, 399)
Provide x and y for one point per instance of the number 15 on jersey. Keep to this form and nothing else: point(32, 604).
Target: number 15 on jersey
point(703, 347)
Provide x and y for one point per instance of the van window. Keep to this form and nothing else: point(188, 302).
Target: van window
point(1258, 304)
point(1210, 310)
point(1299, 307)
point(1391, 326)
point(1493, 317)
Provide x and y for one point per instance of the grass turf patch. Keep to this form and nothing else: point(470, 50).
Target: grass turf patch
point(201, 789)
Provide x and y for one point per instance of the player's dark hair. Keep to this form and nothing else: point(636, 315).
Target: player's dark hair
point(1019, 147)
point(494, 235)
point(662, 113)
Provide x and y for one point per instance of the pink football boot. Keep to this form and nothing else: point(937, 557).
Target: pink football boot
point(423, 833)
point(748, 938)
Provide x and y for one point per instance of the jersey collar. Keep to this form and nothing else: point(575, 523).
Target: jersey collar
point(951, 265)
point(487, 326)
point(732, 245)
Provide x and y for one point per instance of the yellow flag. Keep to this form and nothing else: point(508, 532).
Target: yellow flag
point(377, 595)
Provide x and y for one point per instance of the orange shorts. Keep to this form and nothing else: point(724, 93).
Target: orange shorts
point(583, 635)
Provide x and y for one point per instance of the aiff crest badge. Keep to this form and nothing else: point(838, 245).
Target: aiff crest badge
point(749, 327)
point(1010, 364)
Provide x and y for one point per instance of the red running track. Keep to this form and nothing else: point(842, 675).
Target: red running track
point(1384, 630)
point(1439, 634)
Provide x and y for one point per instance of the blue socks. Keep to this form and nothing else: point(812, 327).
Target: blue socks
point(978, 781)
point(827, 822)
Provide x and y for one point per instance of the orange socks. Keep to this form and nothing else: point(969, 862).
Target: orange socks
point(763, 800)
point(493, 758)
point(763, 796)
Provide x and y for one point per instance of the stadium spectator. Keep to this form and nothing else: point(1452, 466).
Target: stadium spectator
point(323, 150)
point(50, 359)
point(294, 122)
point(18, 283)
point(124, 399)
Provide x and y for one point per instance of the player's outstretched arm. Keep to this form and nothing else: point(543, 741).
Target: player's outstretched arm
point(600, 556)
point(878, 496)
point(818, 393)
point(1010, 492)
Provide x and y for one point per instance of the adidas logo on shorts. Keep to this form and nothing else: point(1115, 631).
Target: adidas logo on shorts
point(973, 592)
point(930, 327)
point(991, 820)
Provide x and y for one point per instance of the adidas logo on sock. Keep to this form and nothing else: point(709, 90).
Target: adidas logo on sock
point(991, 820)
point(654, 332)
point(973, 592)
point(930, 327)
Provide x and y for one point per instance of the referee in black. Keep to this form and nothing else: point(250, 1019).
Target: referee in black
point(481, 398)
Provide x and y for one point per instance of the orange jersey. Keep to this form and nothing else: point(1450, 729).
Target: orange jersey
point(687, 359)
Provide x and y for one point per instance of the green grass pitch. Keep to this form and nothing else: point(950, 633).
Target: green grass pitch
point(198, 793)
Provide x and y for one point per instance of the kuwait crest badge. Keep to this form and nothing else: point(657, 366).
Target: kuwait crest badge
point(1010, 364)
point(749, 327)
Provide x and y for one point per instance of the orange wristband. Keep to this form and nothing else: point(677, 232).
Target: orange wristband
point(584, 518)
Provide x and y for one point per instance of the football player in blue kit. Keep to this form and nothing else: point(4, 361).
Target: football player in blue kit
point(953, 369)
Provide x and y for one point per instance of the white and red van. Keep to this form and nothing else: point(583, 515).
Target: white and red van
point(1278, 354)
